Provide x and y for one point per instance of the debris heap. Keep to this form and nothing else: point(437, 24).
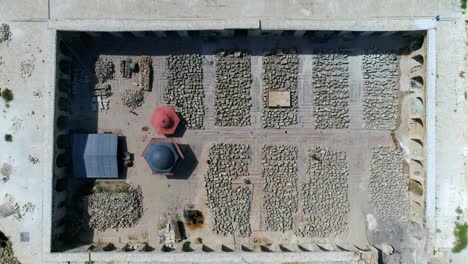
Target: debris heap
point(185, 87)
point(7, 256)
point(388, 187)
point(233, 82)
point(230, 206)
point(114, 210)
point(5, 33)
point(104, 70)
point(145, 70)
point(325, 194)
point(133, 97)
point(380, 96)
point(280, 71)
point(331, 90)
point(279, 174)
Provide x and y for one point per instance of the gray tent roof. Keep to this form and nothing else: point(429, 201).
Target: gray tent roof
point(95, 156)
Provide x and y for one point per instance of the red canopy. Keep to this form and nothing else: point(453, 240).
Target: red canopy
point(165, 120)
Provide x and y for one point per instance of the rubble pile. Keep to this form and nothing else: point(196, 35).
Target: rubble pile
point(325, 194)
point(114, 210)
point(233, 82)
point(133, 98)
point(5, 33)
point(380, 95)
point(331, 90)
point(185, 87)
point(6, 257)
point(104, 70)
point(230, 206)
point(279, 72)
point(388, 187)
point(279, 174)
point(145, 70)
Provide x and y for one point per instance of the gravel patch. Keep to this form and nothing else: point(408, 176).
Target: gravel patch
point(380, 95)
point(113, 210)
point(325, 194)
point(185, 87)
point(388, 189)
point(229, 206)
point(279, 174)
point(233, 83)
point(280, 71)
point(331, 90)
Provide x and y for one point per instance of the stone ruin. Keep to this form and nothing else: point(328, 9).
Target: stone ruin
point(331, 89)
point(388, 187)
point(280, 72)
point(233, 83)
point(325, 194)
point(185, 87)
point(380, 95)
point(279, 175)
point(229, 205)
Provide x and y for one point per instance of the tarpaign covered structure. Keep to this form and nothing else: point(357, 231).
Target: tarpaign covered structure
point(95, 156)
point(165, 120)
point(162, 155)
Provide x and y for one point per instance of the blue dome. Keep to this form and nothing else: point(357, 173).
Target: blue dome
point(161, 157)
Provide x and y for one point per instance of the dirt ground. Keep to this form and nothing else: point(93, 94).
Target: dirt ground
point(166, 196)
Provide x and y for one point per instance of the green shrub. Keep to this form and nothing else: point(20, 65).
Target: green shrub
point(463, 4)
point(109, 247)
point(7, 95)
point(9, 248)
point(460, 236)
point(8, 138)
point(147, 248)
point(186, 246)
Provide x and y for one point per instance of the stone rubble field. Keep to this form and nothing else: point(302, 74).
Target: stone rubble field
point(230, 206)
point(133, 97)
point(113, 210)
point(325, 194)
point(380, 96)
point(388, 189)
point(280, 72)
point(331, 90)
point(233, 83)
point(104, 70)
point(279, 175)
point(185, 87)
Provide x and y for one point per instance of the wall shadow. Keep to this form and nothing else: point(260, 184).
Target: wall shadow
point(187, 166)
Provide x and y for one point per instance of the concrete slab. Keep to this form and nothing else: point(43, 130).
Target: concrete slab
point(279, 99)
point(26, 120)
point(309, 9)
point(24, 10)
